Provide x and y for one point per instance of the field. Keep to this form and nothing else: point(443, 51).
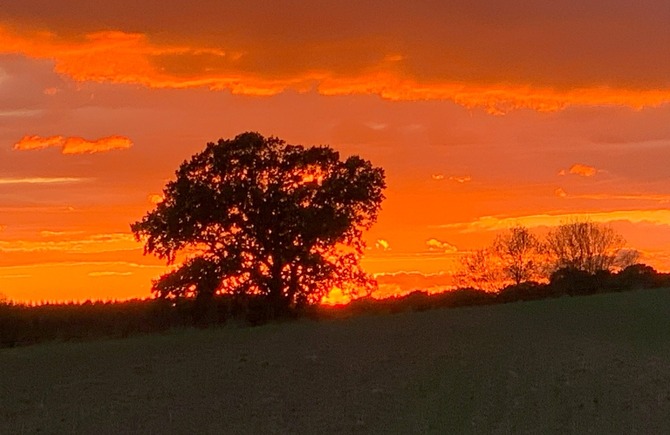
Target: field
point(585, 364)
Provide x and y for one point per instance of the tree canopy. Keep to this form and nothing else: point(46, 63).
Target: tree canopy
point(255, 215)
point(587, 246)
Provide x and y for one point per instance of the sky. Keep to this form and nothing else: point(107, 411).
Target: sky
point(484, 115)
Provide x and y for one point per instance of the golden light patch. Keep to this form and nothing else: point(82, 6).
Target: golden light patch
point(382, 244)
point(155, 199)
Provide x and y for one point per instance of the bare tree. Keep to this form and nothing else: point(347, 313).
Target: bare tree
point(584, 245)
point(520, 254)
point(481, 270)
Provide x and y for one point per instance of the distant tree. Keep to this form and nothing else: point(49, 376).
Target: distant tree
point(637, 276)
point(520, 254)
point(480, 270)
point(573, 281)
point(627, 257)
point(257, 216)
point(585, 246)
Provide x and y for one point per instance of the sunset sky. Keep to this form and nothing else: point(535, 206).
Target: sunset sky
point(484, 114)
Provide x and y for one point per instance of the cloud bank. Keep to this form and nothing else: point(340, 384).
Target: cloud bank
point(542, 55)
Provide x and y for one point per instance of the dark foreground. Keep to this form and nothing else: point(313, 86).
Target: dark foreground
point(590, 364)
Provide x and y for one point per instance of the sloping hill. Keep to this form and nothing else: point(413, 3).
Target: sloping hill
point(598, 363)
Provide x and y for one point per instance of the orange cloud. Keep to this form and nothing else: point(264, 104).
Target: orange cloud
point(73, 145)
point(653, 197)
point(581, 170)
point(437, 245)
point(461, 179)
point(40, 180)
point(135, 58)
point(496, 223)
point(92, 244)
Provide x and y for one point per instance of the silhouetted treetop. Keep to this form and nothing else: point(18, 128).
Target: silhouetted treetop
point(254, 215)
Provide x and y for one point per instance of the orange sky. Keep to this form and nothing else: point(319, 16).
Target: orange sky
point(483, 113)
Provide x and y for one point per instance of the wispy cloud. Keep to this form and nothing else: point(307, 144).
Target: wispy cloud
point(581, 170)
point(109, 273)
point(495, 223)
point(90, 244)
point(19, 113)
point(654, 197)
point(41, 180)
point(74, 145)
point(47, 233)
point(438, 245)
point(461, 178)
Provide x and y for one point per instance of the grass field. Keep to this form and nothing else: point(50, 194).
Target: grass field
point(596, 364)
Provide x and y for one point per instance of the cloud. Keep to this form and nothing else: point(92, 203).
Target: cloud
point(73, 145)
point(467, 53)
point(382, 244)
point(437, 245)
point(654, 197)
point(95, 243)
point(47, 233)
point(496, 223)
point(40, 180)
point(19, 113)
point(108, 274)
point(461, 179)
point(581, 170)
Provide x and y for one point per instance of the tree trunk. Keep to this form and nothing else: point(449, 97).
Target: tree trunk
point(279, 303)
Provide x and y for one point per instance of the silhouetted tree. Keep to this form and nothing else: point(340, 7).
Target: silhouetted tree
point(637, 276)
point(573, 281)
point(480, 270)
point(520, 254)
point(257, 216)
point(585, 246)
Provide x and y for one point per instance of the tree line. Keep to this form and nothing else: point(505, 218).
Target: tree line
point(576, 256)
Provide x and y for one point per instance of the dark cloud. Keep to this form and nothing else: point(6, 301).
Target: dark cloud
point(559, 46)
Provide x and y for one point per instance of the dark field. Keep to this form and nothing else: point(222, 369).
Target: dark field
point(590, 364)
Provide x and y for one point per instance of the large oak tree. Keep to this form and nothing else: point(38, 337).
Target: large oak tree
point(255, 215)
